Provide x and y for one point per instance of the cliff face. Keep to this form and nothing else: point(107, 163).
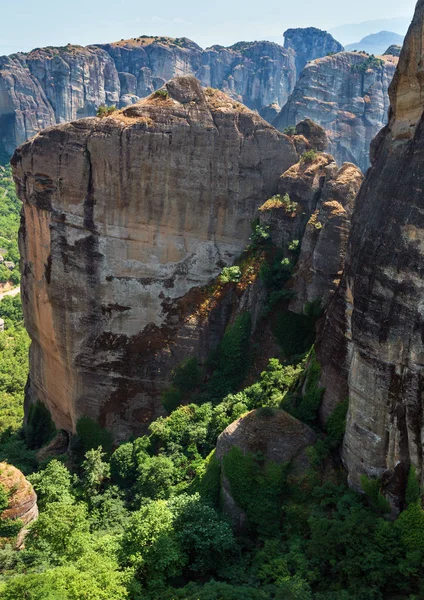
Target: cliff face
point(24, 108)
point(372, 344)
point(125, 219)
point(347, 94)
point(310, 43)
point(54, 85)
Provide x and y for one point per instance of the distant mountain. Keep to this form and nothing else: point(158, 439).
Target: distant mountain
point(348, 34)
point(377, 43)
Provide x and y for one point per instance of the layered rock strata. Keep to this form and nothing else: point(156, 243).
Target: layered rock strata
point(125, 218)
point(371, 348)
point(22, 499)
point(347, 94)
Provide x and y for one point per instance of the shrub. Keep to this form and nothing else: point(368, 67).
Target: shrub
point(10, 528)
point(413, 489)
point(105, 111)
point(232, 358)
point(290, 131)
point(309, 156)
point(4, 498)
point(371, 488)
point(161, 94)
point(40, 428)
point(256, 487)
point(260, 235)
point(230, 274)
point(295, 333)
point(122, 465)
point(91, 434)
point(336, 423)
point(204, 536)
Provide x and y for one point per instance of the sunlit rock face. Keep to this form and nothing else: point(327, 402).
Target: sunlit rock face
point(347, 94)
point(371, 348)
point(125, 218)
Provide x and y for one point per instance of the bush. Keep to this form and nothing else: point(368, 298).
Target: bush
point(371, 488)
point(40, 428)
point(413, 489)
point(336, 423)
point(230, 275)
point(231, 359)
point(256, 487)
point(91, 435)
point(4, 498)
point(105, 111)
point(161, 94)
point(290, 131)
point(309, 156)
point(295, 333)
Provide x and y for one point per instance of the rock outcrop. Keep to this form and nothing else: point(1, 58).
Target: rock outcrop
point(54, 85)
point(371, 348)
point(310, 43)
point(22, 499)
point(317, 214)
point(125, 218)
point(347, 94)
point(393, 50)
point(274, 436)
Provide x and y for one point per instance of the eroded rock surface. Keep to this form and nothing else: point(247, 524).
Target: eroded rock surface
point(347, 94)
point(125, 219)
point(318, 217)
point(372, 348)
point(22, 499)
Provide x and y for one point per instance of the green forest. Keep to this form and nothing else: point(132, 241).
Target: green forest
point(10, 208)
point(142, 521)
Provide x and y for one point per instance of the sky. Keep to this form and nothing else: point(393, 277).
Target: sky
point(27, 24)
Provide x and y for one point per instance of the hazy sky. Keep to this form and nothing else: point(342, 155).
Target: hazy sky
point(26, 24)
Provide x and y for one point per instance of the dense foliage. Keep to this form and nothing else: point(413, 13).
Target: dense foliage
point(10, 208)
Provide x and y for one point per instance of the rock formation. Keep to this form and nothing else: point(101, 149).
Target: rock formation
point(54, 85)
point(318, 213)
point(275, 436)
point(310, 43)
point(393, 50)
point(347, 94)
point(371, 348)
point(125, 218)
point(22, 498)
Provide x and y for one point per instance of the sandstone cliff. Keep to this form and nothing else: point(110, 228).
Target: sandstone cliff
point(22, 500)
point(125, 219)
point(371, 347)
point(347, 94)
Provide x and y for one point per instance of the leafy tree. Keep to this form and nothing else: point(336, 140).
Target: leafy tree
point(95, 471)
point(52, 484)
point(150, 546)
point(204, 536)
